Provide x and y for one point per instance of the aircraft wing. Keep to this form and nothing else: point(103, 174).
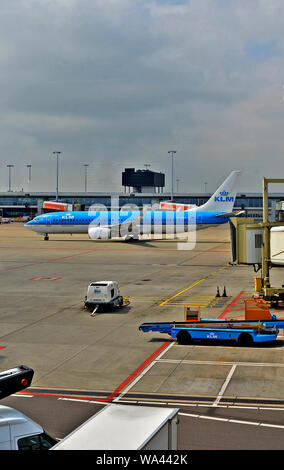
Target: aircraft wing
point(231, 214)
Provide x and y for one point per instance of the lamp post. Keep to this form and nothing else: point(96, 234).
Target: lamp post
point(57, 155)
point(86, 176)
point(178, 180)
point(172, 192)
point(9, 168)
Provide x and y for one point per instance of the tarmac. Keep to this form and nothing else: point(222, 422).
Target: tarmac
point(44, 324)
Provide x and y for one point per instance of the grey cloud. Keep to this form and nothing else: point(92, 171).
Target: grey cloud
point(120, 82)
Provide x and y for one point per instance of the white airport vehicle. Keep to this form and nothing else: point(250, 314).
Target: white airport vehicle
point(125, 427)
point(18, 432)
point(5, 220)
point(102, 295)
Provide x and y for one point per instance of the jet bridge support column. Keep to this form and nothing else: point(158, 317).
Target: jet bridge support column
point(266, 236)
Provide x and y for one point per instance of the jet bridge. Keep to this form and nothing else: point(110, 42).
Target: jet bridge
point(251, 244)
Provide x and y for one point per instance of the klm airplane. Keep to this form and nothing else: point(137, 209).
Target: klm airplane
point(129, 224)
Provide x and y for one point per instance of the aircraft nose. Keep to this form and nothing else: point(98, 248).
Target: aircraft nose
point(29, 223)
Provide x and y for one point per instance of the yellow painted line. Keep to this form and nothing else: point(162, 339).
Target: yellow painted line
point(184, 290)
point(197, 297)
point(146, 298)
point(193, 285)
point(186, 303)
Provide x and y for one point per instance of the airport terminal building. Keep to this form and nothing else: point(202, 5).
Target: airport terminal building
point(140, 188)
point(19, 204)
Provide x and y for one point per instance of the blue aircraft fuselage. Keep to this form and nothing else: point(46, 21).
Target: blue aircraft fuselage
point(79, 221)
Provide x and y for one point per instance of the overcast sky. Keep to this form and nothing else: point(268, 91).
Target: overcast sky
point(118, 83)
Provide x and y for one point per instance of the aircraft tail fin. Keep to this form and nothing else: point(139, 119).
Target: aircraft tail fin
point(224, 197)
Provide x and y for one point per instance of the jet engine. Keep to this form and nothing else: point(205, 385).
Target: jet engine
point(99, 232)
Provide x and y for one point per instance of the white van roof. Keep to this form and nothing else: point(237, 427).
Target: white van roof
point(11, 416)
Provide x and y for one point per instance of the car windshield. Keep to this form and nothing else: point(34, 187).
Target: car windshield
point(41, 441)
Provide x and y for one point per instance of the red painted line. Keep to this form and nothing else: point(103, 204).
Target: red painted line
point(136, 372)
point(231, 304)
point(44, 278)
point(116, 391)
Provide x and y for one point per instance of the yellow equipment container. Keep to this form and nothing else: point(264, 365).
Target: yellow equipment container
point(257, 284)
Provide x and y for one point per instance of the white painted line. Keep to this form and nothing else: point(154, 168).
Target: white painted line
point(182, 404)
point(130, 401)
point(152, 403)
point(243, 407)
point(272, 425)
point(238, 421)
point(225, 385)
point(204, 405)
point(144, 372)
point(232, 421)
point(214, 418)
point(82, 401)
point(219, 363)
point(189, 415)
point(270, 408)
point(21, 395)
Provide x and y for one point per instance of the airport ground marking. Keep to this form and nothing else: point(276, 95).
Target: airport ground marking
point(162, 350)
point(118, 392)
point(193, 285)
point(221, 363)
point(149, 402)
point(225, 385)
point(231, 304)
point(230, 420)
point(54, 260)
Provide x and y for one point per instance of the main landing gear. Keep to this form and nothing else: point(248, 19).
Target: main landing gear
point(46, 237)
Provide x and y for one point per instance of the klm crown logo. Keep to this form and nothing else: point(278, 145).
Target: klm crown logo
point(224, 197)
